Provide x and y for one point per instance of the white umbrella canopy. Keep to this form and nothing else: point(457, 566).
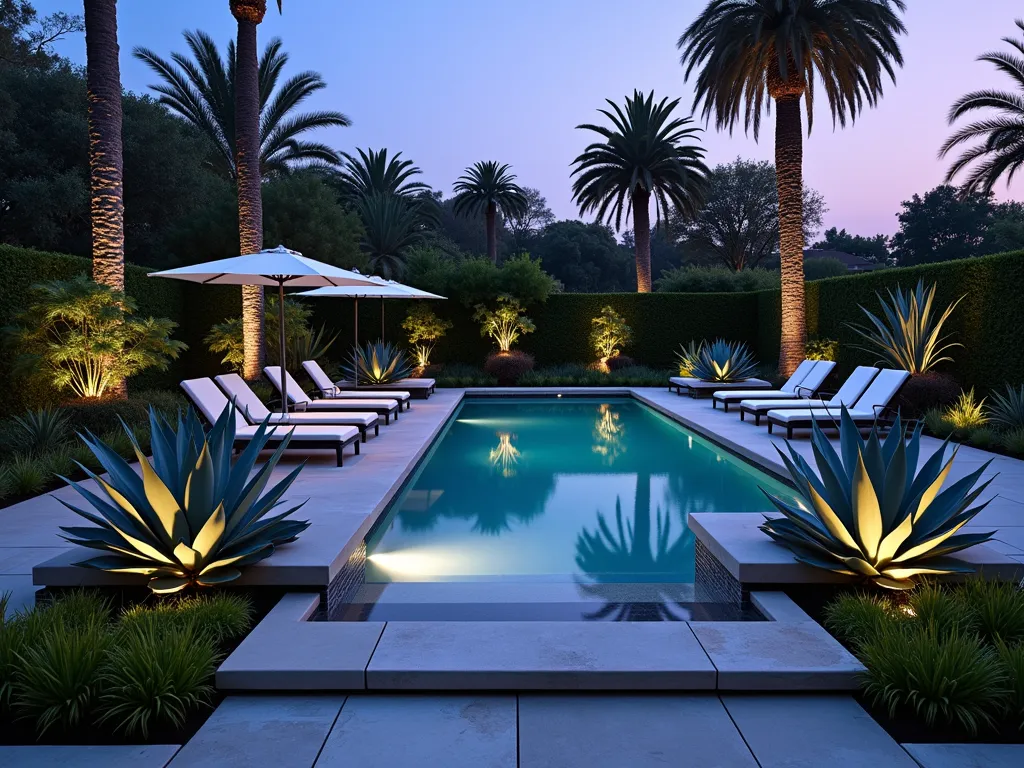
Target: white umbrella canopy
point(379, 289)
point(272, 266)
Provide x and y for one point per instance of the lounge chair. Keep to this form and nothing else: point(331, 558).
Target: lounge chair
point(866, 411)
point(805, 381)
point(330, 391)
point(211, 402)
point(255, 412)
point(696, 387)
point(847, 395)
point(421, 389)
point(386, 407)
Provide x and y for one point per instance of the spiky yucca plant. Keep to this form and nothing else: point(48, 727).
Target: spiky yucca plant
point(1007, 408)
point(967, 412)
point(724, 361)
point(908, 336)
point(378, 363)
point(869, 513)
point(194, 517)
point(686, 357)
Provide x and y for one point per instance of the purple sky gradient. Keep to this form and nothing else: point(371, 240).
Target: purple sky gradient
point(450, 82)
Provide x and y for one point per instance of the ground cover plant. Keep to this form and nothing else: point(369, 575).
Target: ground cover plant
point(994, 423)
point(942, 657)
point(77, 668)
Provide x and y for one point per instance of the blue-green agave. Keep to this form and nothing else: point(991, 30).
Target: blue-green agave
point(909, 334)
point(378, 363)
point(869, 513)
point(723, 361)
point(194, 517)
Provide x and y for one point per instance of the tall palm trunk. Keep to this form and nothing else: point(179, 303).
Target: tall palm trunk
point(642, 239)
point(492, 232)
point(247, 170)
point(789, 181)
point(106, 167)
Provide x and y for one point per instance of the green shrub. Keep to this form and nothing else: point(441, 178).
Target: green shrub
point(856, 618)
point(25, 476)
point(822, 349)
point(77, 609)
point(156, 675)
point(1013, 441)
point(924, 391)
point(821, 267)
point(100, 416)
point(57, 681)
point(937, 424)
point(58, 463)
point(945, 680)
point(690, 279)
point(939, 611)
point(609, 333)
point(166, 401)
point(997, 608)
point(1012, 659)
point(224, 617)
point(983, 437)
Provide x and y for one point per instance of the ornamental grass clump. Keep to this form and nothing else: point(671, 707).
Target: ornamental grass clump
point(377, 363)
point(967, 412)
point(868, 513)
point(908, 334)
point(724, 361)
point(1006, 409)
point(195, 517)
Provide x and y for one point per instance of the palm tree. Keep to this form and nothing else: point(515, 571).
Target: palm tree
point(643, 155)
point(106, 168)
point(106, 165)
point(488, 187)
point(1002, 151)
point(201, 89)
point(391, 228)
point(749, 49)
point(372, 172)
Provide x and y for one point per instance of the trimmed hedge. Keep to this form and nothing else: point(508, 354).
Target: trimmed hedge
point(987, 322)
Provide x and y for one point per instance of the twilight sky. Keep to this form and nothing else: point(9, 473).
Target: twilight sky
point(450, 82)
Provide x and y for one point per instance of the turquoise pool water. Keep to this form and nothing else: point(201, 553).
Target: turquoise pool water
point(587, 492)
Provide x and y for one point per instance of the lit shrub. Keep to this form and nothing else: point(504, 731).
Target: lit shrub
point(424, 329)
point(505, 323)
point(967, 412)
point(609, 334)
point(508, 367)
point(822, 349)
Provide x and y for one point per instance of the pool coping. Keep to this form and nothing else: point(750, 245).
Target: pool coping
point(789, 652)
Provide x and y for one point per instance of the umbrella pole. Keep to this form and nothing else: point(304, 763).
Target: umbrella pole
point(382, 319)
point(355, 344)
point(281, 346)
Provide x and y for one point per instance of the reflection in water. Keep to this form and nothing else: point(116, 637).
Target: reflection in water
point(625, 555)
point(609, 434)
point(505, 456)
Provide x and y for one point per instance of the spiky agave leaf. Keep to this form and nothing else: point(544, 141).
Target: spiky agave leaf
point(686, 357)
point(191, 516)
point(723, 361)
point(378, 363)
point(869, 512)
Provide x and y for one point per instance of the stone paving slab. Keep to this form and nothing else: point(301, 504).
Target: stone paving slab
point(22, 592)
point(115, 756)
point(419, 731)
point(777, 656)
point(813, 732)
point(287, 652)
point(262, 732)
point(967, 755)
point(539, 655)
point(600, 731)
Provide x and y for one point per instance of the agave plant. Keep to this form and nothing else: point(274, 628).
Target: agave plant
point(194, 517)
point(724, 361)
point(378, 363)
point(1007, 409)
point(687, 358)
point(870, 514)
point(43, 429)
point(909, 335)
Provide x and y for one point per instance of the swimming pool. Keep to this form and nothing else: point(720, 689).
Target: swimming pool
point(554, 502)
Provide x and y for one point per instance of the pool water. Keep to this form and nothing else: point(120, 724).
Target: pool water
point(547, 503)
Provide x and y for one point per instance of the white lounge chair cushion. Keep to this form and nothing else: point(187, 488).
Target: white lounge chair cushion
point(818, 414)
point(331, 404)
point(816, 376)
point(407, 383)
point(767, 404)
point(740, 394)
point(245, 399)
point(304, 434)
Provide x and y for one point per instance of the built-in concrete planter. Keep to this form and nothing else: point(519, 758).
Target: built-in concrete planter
point(287, 652)
point(734, 558)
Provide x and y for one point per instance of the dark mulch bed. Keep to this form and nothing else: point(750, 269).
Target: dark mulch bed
point(904, 727)
point(21, 732)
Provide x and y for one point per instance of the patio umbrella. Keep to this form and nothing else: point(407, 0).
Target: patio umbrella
point(274, 266)
point(380, 289)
